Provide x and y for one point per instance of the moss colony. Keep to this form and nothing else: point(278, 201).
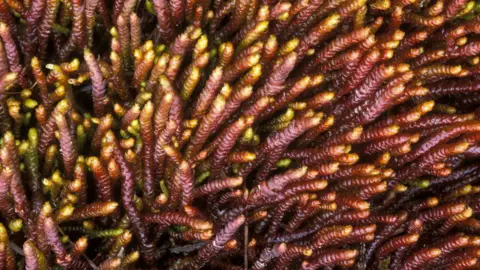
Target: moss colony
point(239, 134)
